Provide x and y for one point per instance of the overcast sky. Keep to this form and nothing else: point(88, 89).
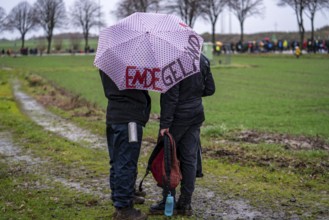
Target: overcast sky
point(274, 19)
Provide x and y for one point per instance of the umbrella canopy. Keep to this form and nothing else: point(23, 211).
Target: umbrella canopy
point(148, 51)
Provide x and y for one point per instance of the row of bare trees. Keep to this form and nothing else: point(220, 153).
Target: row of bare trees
point(191, 10)
point(86, 14)
point(305, 7)
point(49, 15)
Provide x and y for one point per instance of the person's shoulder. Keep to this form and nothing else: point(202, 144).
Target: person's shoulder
point(204, 60)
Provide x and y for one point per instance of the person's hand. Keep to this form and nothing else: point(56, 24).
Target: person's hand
point(163, 130)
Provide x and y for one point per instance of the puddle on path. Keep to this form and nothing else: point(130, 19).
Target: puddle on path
point(54, 123)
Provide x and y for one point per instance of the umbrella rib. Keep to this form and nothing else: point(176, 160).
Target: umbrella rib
point(157, 62)
point(174, 45)
point(126, 41)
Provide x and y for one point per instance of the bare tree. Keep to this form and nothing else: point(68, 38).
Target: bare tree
point(313, 6)
point(243, 9)
point(188, 10)
point(2, 19)
point(212, 9)
point(51, 14)
point(23, 19)
point(128, 7)
point(87, 14)
point(299, 7)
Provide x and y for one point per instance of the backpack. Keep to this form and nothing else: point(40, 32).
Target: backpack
point(164, 164)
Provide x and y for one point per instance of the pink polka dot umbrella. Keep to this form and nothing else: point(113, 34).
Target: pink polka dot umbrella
point(148, 51)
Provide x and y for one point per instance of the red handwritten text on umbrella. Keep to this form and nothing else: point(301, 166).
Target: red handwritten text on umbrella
point(134, 76)
point(171, 73)
point(193, 50)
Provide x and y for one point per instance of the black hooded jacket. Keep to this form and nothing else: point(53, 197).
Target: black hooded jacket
point(182, 104)
point(125, 105)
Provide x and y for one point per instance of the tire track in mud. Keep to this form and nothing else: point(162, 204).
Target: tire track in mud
point(54, 123)
point(13, 155)
point(206, 203)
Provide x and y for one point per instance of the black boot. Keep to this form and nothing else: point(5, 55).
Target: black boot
point(183, 206)
point(158, 208)
point(128, 213)
point(138, 200)
point(139, 196)
point(140, 193)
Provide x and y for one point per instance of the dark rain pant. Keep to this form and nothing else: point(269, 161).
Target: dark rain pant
point(187, 140)
point(123, 163)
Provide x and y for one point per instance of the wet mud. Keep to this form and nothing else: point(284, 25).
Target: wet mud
point(56, 124)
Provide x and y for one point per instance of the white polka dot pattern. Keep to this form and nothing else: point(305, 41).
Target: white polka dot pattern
point(148, 51)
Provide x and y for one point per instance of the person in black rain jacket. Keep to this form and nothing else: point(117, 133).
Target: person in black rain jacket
point(182, 115)
point(124, 106)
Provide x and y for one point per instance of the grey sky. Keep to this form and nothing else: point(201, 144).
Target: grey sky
point(274, 19)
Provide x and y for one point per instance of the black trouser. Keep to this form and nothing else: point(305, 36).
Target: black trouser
point(123, 160)
point(187, 140)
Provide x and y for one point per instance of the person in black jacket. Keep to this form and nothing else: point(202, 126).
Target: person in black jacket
point(182, 115)
point(123, 107)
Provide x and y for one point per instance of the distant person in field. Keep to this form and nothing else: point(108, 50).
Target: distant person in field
point(123, 107)
point(297, 52)
point(182, 115)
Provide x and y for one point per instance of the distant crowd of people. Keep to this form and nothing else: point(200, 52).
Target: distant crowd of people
point(22, 51)
point(266, 45)
point(262, 46)
point(36, 51)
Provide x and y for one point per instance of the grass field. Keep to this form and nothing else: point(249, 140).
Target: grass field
point(271, 96)
point(265, 93)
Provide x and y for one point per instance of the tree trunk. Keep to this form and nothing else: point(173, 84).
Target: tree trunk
point(301, 27)
point(241, 27)
point(49, 43)
point(86, 42)
point(312, 33)
point(23, 40)
point(301, 33)
point(213, 38)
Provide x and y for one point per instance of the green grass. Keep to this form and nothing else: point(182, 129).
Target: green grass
point(276, 94)
point(27, 195)
point(264, 93)
point(21, 198)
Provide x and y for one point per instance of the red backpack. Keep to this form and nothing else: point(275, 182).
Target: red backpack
point(163, 164)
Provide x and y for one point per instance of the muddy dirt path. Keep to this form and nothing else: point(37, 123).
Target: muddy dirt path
point(55, 124)
point(13, 154)
point(207, 204)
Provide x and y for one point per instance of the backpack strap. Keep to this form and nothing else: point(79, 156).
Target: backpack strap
point(153, 155)
point(140, 188)
point(167, 160)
